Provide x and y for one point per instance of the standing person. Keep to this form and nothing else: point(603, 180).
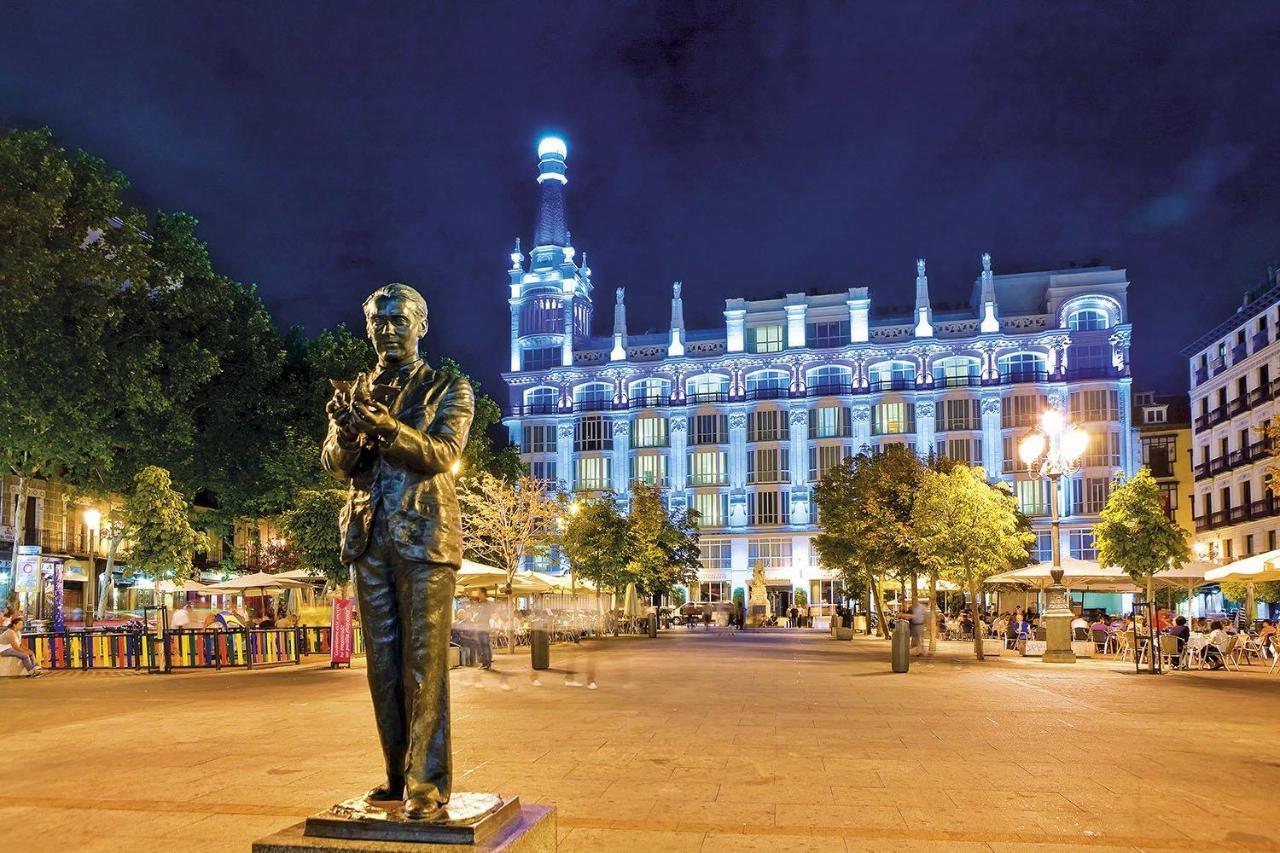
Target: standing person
point(483, 631)
point(181, 618)
point(12, 646)
point(917, 614)
point(792, 614)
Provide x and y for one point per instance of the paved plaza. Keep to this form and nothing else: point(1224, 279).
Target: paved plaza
point(776, 740)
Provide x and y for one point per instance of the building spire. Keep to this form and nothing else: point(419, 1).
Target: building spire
point(552, 229)
point(677, 322)
point(619, 352)
point(924, 312)
point(987, 306)
point(517, 259)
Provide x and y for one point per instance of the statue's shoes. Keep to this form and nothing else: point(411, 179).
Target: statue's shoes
point(387, 791)
point(422, 808)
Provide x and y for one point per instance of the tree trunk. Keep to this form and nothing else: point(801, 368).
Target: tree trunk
point(511, 615)
point(933, 613)
point(109, 576)
point(884, 623)
point(10, 596)
point(975, 615)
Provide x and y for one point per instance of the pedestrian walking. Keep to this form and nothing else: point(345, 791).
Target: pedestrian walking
point(917, 614)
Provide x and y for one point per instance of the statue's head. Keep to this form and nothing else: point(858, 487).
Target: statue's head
point(395, 318)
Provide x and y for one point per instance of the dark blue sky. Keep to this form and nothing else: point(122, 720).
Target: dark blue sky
point(747, 150)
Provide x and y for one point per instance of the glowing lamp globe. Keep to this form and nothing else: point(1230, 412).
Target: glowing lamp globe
point(1074, 443)
point(92, 518)
point(552, 145)
point(1031, 447)
point(1051, 422)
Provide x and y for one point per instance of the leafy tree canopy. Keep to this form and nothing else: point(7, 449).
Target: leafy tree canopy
point(1135, 534)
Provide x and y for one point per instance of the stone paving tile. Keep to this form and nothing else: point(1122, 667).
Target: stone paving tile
point(771, 741)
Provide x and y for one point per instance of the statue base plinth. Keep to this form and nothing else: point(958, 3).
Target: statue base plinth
point(472, 822)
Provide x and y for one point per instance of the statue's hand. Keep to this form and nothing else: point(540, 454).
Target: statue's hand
point(373, 418)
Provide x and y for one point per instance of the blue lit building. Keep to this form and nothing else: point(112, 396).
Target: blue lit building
point(740, 421)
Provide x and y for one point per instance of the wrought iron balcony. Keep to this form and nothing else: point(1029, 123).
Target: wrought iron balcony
point(829, 389)
point(649, 402)
point(1261, 339)
point(1239, 352)
point(1202, 373)
point(766, 393)
point(707, 397)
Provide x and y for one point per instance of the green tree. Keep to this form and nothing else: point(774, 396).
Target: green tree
point(967, 530)
point(156, 522)
point(663, 544)
point(1135, 534)
point(865, 504)
point(1265, 591)
point(311, 525)
point(594, 539)
point(480, 453)
point(504, 521)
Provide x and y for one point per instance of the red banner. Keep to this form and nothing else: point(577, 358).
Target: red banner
point(342, 637)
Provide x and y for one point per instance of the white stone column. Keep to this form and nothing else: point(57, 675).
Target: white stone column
point(564, 454)
point(861, 427)
point(621, 474)
point(992, 446)
point(798, 425)
point(678, 430)
point(925, 433)
point(737, 469)
point(515, 333)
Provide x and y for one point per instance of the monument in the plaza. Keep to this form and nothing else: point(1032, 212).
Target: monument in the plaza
point(758, 608)
point(396, 434)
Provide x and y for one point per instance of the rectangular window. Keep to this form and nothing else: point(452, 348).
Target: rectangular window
point(593, 433)
point(1090, 359)
point(957, 414)
point(714, 554)
point(1096, 404)
point(1043, 552)
point(1158, 454)
point(1080, 545)
point(768, 426)
point(1104, 450)
point(593, 473)
point(538, 438)
point(764, 338)
point(824, 335)
point(543, 469)
point(709, 429)
point(1033, 497)
point(773, 553)
point(825, 457)
point(649, 432)
point(830, 422)
point(1021, 410)
point(540, 359)
point(768, 507)
point(1089, 494)
point(892, 419)
point(966, 450)
point(768, 465)
point(1169, 497)
point(649, 468)
point(708, 468)
point(712, 509)
point(1248, 545)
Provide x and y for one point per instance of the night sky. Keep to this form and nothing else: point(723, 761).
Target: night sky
point(329, 148)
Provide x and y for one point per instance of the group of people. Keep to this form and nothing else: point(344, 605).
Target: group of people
point(13, 645)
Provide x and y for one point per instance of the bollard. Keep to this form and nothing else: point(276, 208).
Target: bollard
point(653, 625)
point(539, 648)
point(901, 646)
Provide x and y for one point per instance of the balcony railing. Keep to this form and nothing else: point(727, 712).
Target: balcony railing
point(594, 405)
point(893, 385)
point(1217, 365)
point(537, 409)
point(1261, 339)
point(829, 389)
point(1217, 414)
point(1238, 405)
point(708, 479)
point(956, 381)
point(1202, 373)
point(1239, 352)
point(1017, 377)
point(649, 402)
point(1101, 372)
point(1233, 459)
point(708, 397)
point(1265, 508)
point(766, 393)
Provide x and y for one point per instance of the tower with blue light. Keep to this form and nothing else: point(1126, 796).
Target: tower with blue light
point(551, 296)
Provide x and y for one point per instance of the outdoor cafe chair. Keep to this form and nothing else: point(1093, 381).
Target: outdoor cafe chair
point(1101, 641)
point(1170, 652)
point(1229, 653)
point(1194, 651)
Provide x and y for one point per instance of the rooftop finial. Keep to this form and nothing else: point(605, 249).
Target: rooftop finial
point(619, 352)
point(987, 298)
point(676, 348)
point(986, 262)
point(919, 266)
point(924, 311)
point(516, 256)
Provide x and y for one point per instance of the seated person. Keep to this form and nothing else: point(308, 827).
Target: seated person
point(1267, 638)
point(1181, 631)
point(1101, 624)
point(1218, 639)
point(1080, 628)
point(13, 646)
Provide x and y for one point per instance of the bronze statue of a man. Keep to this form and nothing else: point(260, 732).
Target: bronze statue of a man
point(397, 434)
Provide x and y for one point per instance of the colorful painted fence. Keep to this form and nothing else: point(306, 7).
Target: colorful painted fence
point(318, 639)
point(269, 646)
point(93, 651)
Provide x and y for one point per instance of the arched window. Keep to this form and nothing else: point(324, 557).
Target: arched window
point(1088, 320)
point(764, 384)
point(955, 371)
point(541, 315)
point(593, 395)
point(1023, 367)
point(541, 401)
point(650, 392)
point(829, 379)
point(707, 388)
point(892, 375)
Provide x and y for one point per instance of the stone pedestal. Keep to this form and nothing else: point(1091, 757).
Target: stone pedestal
point(1057, 623)
point(474, 822)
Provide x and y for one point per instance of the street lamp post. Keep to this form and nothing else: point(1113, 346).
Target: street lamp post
point(92, 521)
point(1051, 451)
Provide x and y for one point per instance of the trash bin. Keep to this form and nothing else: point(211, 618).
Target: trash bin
point(653, 625)
point(901, 643)
point(540, 648)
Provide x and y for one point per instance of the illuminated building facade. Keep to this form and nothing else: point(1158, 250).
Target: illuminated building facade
point(740, 421)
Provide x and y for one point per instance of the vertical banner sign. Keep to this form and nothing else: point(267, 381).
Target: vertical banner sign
point(342, 637)
point(59, 597)
point(27, 576)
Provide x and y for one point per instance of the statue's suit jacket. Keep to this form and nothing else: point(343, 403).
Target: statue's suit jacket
point(410, 478)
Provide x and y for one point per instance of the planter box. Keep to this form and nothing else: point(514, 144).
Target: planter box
point(843, 633)
point(992, 648)
point(1032, 648)
point(1083, 648)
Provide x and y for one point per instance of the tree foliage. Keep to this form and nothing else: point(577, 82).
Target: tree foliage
point(595, 540)
point(311, 526)
point(505, 521)
point(967, 530)
point(1135, 534)
point(662, 544)
point(480, 453)
point(158, 526)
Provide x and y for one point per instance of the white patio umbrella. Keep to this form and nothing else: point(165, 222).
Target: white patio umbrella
point(1255, 569)
point(183, 586)
point(473, 575)
point(631, 603)
point(1078, 574)
point(257, 580)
